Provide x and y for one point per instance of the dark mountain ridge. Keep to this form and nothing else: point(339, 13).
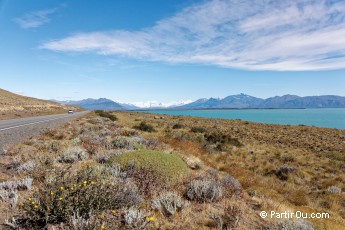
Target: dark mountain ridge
point(243, 101)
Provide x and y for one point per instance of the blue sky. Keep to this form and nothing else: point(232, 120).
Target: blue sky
point(167, 51)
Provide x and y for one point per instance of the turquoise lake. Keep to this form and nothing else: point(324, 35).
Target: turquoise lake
point(327, 118)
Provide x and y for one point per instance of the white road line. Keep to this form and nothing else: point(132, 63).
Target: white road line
point(32, 123)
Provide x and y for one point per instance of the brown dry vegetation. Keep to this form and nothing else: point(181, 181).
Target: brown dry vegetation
point(280, 167)
point(15, 106)
point(95, 173)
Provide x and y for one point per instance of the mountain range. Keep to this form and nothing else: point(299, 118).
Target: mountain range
point(239, 101)
point(243, 101)
point(99, 104)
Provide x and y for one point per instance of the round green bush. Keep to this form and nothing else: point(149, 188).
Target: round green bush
point(166, 165)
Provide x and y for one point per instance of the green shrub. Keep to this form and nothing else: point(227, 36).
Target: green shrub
point(167, 166)
point(105, 114)
point(184, 135)
point(219, 138)
point(177, 126)
point(283, 171)
point(198, 130)
point(143, 126)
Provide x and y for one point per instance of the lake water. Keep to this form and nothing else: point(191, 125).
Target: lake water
point(327, 118)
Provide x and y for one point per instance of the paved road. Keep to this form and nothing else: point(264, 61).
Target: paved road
point(16, 130)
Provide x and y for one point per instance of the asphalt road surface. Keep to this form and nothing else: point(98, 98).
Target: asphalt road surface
point(16, 130)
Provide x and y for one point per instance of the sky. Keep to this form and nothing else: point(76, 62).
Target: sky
point(171, 51)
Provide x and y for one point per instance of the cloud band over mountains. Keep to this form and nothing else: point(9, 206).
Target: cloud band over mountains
point(253, 35)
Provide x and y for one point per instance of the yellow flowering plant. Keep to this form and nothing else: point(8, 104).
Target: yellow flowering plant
point(56, 202)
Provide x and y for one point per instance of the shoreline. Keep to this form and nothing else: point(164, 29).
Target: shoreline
point(305, 117)
point(186, 109)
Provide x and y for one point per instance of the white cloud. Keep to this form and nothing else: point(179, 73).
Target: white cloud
point(35, 19)
point(265, 35)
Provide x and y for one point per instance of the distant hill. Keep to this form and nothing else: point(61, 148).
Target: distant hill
point(201, 103)
point(242, 101)
point(291, 101)
point(278, 101)
point(13, 106)
point(97, 104)
point(234, 101)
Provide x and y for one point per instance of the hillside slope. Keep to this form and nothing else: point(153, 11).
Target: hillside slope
point(15, 106)
point(96, 104)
